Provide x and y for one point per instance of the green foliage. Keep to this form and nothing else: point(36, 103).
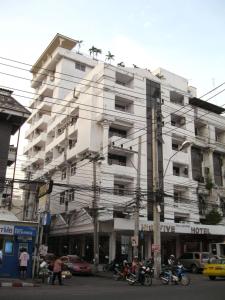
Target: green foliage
point(209, 183)
point(212, 218)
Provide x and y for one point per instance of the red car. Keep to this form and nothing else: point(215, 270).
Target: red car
point(77, 265)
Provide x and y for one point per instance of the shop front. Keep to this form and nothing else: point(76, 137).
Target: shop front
point(176, 238)
point(13, 237)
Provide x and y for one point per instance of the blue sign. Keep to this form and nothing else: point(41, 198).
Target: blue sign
point(24, 231)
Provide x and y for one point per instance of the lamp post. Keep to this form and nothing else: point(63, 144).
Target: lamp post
point(183, 146)
point(156, 207)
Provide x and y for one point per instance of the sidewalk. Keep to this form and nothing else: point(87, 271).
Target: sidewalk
point(14, 282)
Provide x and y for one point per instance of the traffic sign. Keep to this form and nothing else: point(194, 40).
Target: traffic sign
point(156, 248)
point(134, 241)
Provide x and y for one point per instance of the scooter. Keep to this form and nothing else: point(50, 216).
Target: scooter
point(144, 277)
point(176, 277)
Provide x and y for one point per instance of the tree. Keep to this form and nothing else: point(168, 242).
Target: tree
point(79, 42)
point(92, 50)
point(97, 51)
point(121, 64)
point(212, 218)
point(109, 57)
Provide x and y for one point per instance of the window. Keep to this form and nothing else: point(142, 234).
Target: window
point(176, 98)
point(71, 195)
point(80, 66)
point(8, 247)
point(62, 198)
point(176, 171)
point(63, 175)
point(72, 143)
point(178, 121)
point(187, 256)
point(73, 169)
point(175, 146)
point(197, 256)
point(117, 132)
point(196, 161)
point(217, 165)
point(121, 107)
point(114, 159)
point(119, 189)
point(222, 205)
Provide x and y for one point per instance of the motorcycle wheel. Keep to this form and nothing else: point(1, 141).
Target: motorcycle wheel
point(116, 277)
point(185, 280)
point(148, 280)
point(130, 280)
point(164, 281)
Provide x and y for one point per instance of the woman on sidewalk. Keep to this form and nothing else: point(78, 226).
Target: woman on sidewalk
point(57, 270)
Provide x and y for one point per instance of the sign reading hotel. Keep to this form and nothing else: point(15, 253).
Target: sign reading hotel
point(178, 228)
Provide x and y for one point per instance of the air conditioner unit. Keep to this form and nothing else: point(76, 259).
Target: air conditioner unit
point(37, 148)
point(206, 169)
point(182, 121)
point(61, 150)
point(186, 171)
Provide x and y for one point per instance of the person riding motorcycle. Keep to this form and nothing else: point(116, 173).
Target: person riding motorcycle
point(172, 263)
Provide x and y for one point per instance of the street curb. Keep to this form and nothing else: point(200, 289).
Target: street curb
point(18, 284)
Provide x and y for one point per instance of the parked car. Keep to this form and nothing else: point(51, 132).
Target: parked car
point(215, 269)
point(77, 265)
point(194, 261)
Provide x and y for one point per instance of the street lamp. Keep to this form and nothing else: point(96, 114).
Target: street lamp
point(156, 216)
point(183, 146)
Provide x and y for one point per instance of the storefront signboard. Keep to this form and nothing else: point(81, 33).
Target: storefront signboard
point(6, 229)
point(25, 231)
point(183, 228)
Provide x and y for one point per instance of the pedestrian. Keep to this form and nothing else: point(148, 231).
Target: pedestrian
point(57, 270)
point(23, 261)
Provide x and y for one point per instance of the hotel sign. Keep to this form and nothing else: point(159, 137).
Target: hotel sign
point(178, 228)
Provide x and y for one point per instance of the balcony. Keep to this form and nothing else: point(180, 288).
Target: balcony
point(59, 160)
point(121, 170)
point(121, 145)
point(55, 122)
point(71, 153)
point(37, 174)
point(47, 87)
point(40, 140)
point(38, 157)
point(39, 124)
point(56, 141)
point(45, 104)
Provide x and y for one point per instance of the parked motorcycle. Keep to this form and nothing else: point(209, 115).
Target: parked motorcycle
point(177, 276)
point(46, 274)
point(144, 276)
point(121, 271)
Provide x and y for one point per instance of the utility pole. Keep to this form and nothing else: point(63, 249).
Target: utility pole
point(156, 208)
point(138, 199)
point(95, 217)
point(14, 172)
point(67, 164)
point(95, 158)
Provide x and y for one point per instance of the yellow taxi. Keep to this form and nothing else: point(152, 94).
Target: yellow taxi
point(214, 269)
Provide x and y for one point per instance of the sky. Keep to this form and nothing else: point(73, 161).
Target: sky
point(185, 37)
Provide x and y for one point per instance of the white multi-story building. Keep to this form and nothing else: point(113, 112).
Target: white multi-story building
point(83, 107)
